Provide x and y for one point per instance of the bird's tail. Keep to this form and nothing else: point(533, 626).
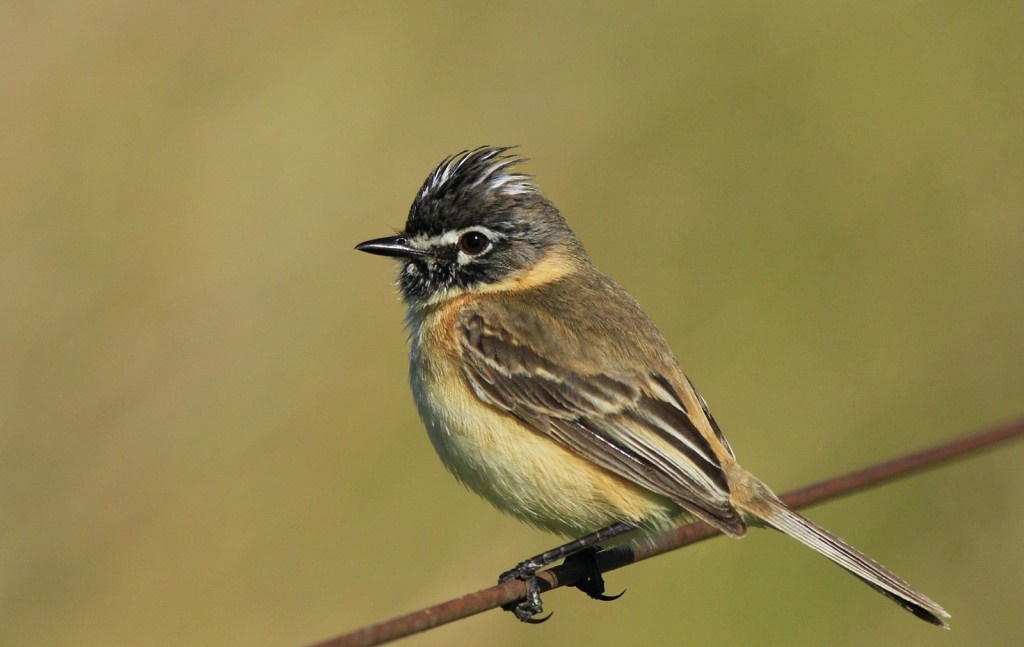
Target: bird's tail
point(760, 502)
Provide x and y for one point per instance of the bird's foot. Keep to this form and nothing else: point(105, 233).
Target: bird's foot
point(528, 608)
point(592, 582)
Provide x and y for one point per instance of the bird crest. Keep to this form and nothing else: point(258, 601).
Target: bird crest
point(486, 168)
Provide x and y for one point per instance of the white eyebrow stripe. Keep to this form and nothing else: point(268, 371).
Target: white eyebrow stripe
point(452, 237)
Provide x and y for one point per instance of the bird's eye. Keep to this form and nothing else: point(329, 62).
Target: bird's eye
point(473, 243)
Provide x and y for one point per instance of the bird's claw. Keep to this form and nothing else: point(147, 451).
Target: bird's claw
point(592, 583)
point(528, 608)
point(605, 598)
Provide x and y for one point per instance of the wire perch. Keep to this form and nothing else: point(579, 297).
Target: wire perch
point(569, 574)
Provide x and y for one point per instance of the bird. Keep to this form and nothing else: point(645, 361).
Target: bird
point(546, 389)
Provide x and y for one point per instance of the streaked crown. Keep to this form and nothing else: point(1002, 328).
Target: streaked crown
point(474, 222)
point(466, 186)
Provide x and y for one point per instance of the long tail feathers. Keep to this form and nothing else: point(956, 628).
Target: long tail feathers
point(774, 513)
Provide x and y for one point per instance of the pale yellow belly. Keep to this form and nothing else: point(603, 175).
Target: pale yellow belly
point(521, 471)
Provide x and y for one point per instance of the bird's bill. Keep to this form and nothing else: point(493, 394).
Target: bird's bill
point(397, 246)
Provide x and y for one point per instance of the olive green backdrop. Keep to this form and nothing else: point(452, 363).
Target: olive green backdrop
point(206, 435)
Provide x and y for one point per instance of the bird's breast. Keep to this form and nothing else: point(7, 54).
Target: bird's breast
point(518, 469)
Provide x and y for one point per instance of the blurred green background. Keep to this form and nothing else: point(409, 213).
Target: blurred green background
point(206, 435)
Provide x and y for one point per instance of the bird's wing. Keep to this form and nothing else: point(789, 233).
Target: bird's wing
point(635, 426)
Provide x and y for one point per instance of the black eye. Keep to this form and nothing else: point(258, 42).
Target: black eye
point(473, 243)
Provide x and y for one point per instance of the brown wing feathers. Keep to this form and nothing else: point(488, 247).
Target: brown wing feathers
point(635, 434)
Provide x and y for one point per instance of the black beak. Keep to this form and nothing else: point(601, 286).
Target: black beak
point(397, 246)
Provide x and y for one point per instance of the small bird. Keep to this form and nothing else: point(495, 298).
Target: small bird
point(546, 389)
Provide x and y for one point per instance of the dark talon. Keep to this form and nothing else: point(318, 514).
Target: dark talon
point(534, 621)
point(606, 598)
